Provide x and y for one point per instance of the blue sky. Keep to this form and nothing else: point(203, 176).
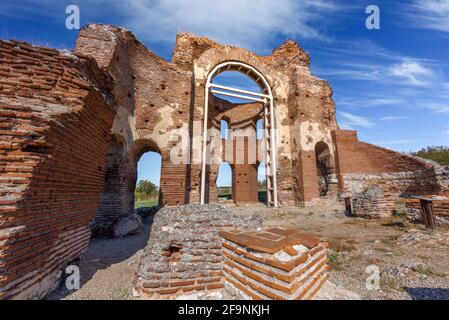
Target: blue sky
point(392, 84)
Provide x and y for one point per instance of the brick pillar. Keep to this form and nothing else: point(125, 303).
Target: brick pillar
point(308, 172)
point(244, 183)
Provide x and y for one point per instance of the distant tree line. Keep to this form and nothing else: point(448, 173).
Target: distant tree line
point(439, 154)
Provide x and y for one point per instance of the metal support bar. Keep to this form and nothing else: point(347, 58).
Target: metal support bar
point(257, 94)
point(274, 157)
point(235, 95)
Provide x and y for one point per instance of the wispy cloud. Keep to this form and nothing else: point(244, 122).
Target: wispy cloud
point(439, 108)
point(409, 71)
point(429, 14)
point(413, 72)
point(369, 101)
point(392, 118)
point(348, 120)
point(254, 24)
point(248, 23)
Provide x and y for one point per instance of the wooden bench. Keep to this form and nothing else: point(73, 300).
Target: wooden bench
point(430, 206)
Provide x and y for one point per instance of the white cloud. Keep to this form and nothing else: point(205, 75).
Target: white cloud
point(412, 71)
point(445, 133)
point(254, 24)
point(387, 67)
point(349, 120)
point(247, 23)
point(429, 14)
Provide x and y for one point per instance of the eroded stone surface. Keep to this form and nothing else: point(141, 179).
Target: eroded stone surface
point(183, 254)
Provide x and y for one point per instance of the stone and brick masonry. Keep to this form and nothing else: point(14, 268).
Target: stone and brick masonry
point(184, 251)
point(275, 263)
point(198, 250)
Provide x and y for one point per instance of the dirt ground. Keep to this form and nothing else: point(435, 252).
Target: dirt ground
point(413, 262)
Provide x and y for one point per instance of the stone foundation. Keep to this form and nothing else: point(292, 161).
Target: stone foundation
point(373, 203)
point(184, 254)
point(275, 264)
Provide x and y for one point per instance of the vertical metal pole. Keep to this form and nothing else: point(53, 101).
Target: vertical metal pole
point(204, 158)
point(273, 153)
point(268, 166)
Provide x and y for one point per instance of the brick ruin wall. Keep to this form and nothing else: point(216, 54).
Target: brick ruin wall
point(74, 126)
point(55, 122)
point(156, 97)
point(153, 97)
point(365, 170)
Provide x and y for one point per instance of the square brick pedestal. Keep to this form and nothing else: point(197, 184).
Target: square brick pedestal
point(275, 263)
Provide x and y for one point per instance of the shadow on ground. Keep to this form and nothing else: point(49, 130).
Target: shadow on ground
point(103, 253)
point(428, 293)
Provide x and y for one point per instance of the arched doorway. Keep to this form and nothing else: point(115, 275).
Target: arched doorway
point(324, 167)
point(262, 183)
point(266, 98)
point(224, 129)
point(224, 182)
point(148, 180)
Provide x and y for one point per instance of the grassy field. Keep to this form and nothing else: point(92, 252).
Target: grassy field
point(146, 203)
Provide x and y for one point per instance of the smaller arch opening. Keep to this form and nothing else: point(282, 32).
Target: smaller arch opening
point(262, 182)
point(324, 168)
point(224, 182)
point(224, 129)
point(148, 182)
point(260, 129)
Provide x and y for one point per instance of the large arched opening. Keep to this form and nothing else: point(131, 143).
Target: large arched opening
point(244, 165)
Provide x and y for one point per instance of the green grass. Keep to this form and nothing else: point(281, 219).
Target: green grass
point(146, 203)
point(334, 259)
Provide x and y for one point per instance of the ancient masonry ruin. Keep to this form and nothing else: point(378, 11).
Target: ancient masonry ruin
point(74, 125)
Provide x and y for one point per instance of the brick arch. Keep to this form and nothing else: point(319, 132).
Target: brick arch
point(325, 170)
point(216, 56)
point(140, 146)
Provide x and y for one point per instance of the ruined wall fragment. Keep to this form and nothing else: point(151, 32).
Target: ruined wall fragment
point(55, 114)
